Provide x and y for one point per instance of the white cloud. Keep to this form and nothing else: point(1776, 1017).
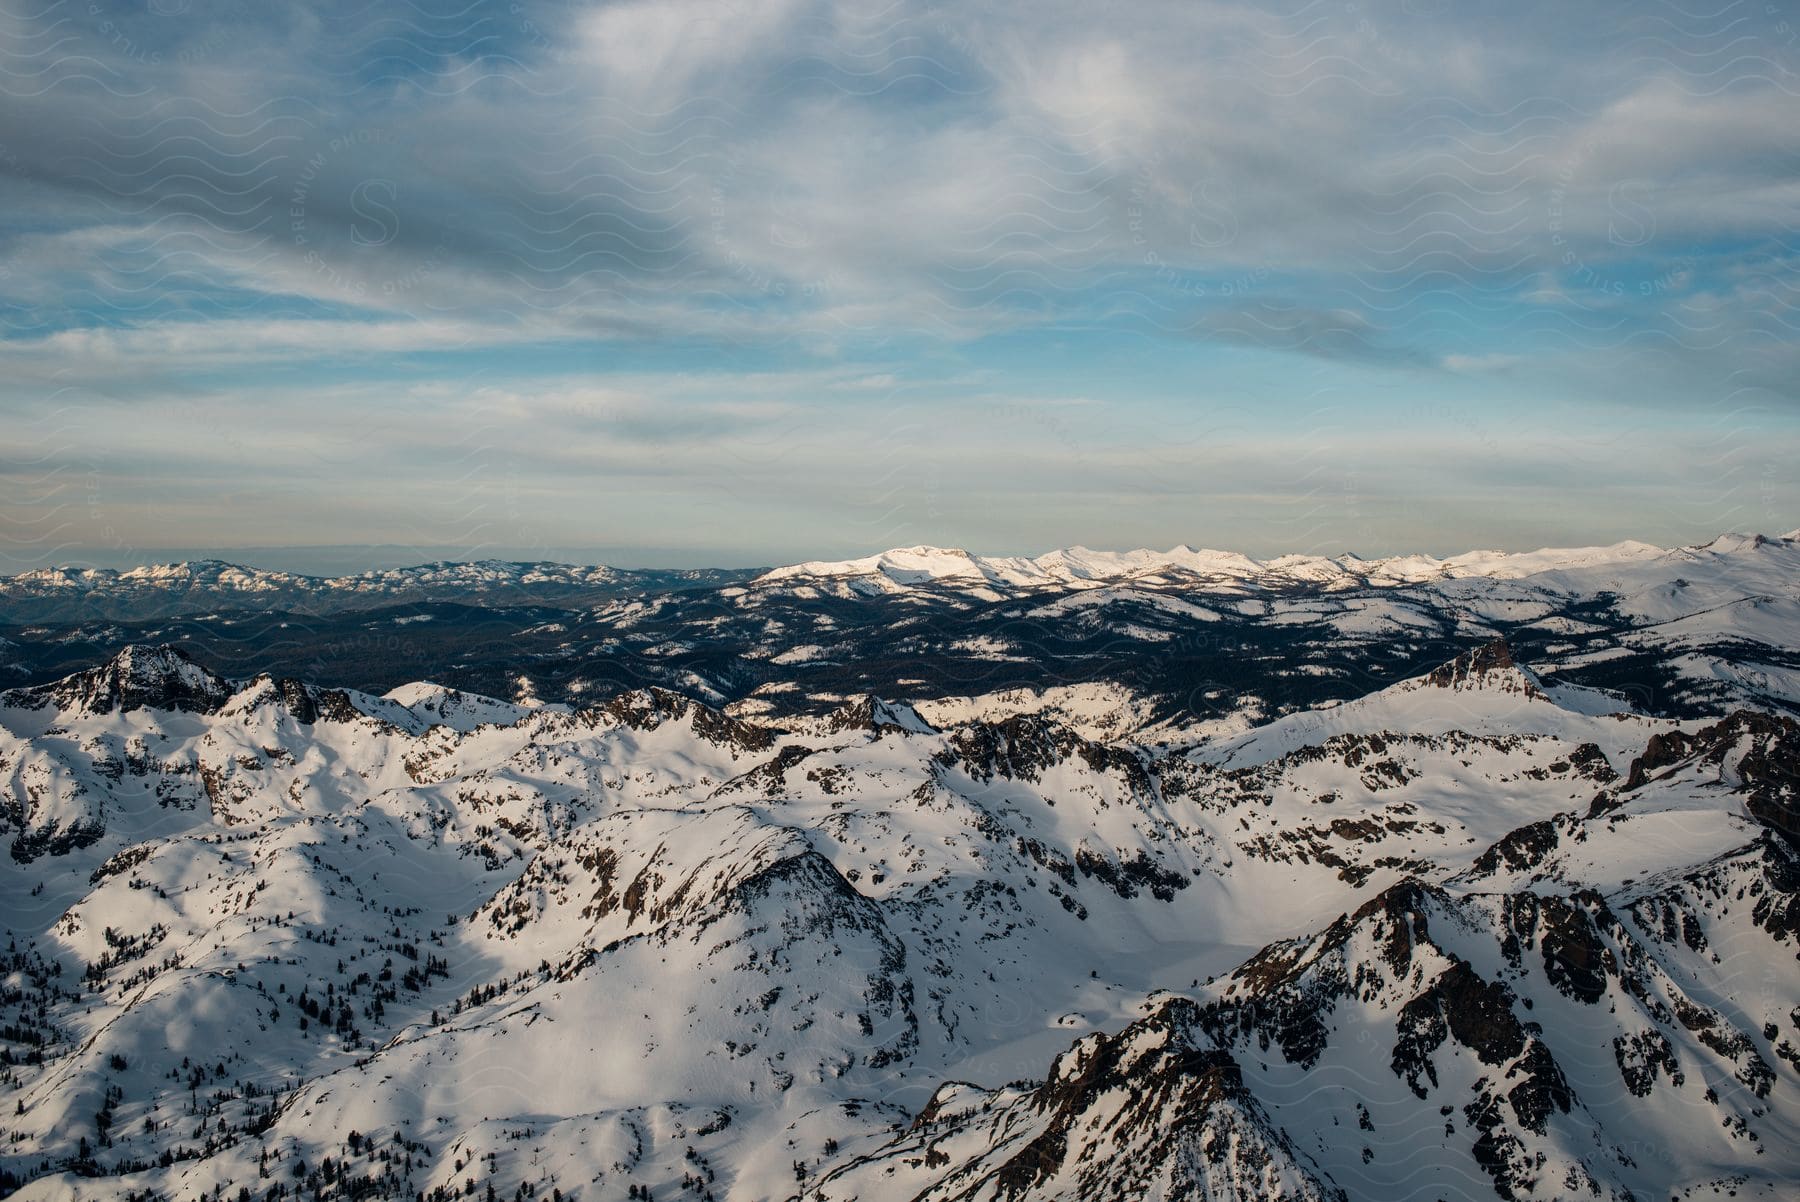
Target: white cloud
point(880, 187)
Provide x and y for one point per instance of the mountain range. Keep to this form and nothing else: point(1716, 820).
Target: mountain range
point(1080, 567)
point(1191, 636)
point(1467, 879)
point(167, 590)
point(164, 590)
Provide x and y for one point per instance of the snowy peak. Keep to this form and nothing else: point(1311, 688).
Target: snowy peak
point(1513, 564)
point(904, 567)
point(1732, 542)
point(436, 705)
point(652, 708)
point(138, 677)
point(838, 926)
point(170, 575)
point(1489, 667)
point(1483, 691)
point(872, 714)
point(1494, 1006)
point(221, 574)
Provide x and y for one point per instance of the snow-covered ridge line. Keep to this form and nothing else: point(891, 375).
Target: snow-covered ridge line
point(220, 574)
point(162, 590)
point(903, 567)
point(165, 678)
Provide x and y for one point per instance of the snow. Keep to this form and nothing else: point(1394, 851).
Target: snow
point(236, 584)
point(434, 705)
point(905, 567)
point(641, 940)
point(1509, 702)
point(803, 654)
point(1095, 711)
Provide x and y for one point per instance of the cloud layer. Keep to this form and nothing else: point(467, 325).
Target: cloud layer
point(841, 275)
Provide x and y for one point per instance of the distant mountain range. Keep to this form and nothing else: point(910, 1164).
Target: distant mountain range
point(169, 590)
point(1190, 636)
point(177, 589)
point(1078, 567)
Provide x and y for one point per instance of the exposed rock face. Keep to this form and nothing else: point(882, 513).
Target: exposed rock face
point(1520, 850)
point(1157, 1110)
point(299, 700)
point(1760, 751)
point(1487, 667)
point(161, 678)
point(647, 709)
point(875, 715)
point(1025, 747)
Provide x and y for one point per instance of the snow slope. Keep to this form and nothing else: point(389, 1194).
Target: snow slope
point(904, 567)
point(1470, 936)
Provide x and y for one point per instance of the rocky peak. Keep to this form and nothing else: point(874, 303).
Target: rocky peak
point(1157, 1110)
point(141, 677)
point(647, 709)
point(871, 713)
point(298, 698)
point(1024, 746)
point(1490, 666)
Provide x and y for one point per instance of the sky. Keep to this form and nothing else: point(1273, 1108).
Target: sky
point(682, 282)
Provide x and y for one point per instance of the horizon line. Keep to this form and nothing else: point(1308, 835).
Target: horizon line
point(221, 555)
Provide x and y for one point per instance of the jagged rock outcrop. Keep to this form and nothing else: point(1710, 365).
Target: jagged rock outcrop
point(1490, 666)
point(1754, 753)
point(163, 678)
point(1157, 1110)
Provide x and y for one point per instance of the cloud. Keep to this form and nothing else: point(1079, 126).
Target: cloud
point(1329, 334)
point(810, 167)
point(236, 201)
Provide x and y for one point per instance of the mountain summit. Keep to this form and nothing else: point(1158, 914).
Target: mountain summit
point(1489, 666)
point(140, 677)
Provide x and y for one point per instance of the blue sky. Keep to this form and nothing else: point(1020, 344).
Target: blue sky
point(688, 282)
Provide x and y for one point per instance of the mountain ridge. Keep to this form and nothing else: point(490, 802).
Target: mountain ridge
point(354, 942)
point(1061, 565)
point(191, 586)
point(903, 566)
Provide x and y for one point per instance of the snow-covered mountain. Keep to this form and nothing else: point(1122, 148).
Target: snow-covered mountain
point(164, 590)
point(1079, 567)
point(1115, 642)
point(1475, 933)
